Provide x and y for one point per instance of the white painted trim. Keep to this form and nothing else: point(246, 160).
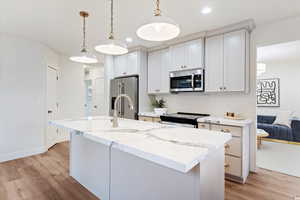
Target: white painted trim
point(22, 154)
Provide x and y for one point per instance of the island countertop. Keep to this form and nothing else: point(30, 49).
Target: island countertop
point(178, 148)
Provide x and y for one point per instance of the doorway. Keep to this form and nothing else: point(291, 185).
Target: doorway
point(52, 106)
point(278, 107)
point(94, 91)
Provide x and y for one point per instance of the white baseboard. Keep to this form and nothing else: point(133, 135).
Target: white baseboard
point(21, 154)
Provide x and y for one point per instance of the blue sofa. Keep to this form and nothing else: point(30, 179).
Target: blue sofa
point(277, 131)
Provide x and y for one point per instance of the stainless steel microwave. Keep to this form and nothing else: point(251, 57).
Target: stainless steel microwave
point(187, 81)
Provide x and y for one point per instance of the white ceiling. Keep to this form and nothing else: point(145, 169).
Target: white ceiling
point(56, 23)
point(289, 51)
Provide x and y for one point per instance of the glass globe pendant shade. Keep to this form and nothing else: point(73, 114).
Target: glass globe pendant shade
point(85, 58)
point(112, 47)
point(159, 28)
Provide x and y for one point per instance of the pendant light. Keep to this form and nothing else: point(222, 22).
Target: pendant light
point(159, 28)
point(112, 46)
point(84, 57)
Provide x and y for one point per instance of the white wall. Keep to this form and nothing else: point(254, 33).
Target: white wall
point(23, 65)
point(288, 71)
point(71, 89)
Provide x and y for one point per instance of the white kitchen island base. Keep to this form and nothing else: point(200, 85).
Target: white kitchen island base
point(111, 174)
point(138, 179)
point(146, 161)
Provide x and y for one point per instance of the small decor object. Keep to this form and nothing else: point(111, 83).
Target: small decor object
point(268, 92)
point(159, 106)
point(233, 116)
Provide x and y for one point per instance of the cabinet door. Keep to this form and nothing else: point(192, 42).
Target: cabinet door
point(194, 54)
point(178, 57)
point(164, 71)
point(235, 61)
point(214, 64)
point(131, 67)
point(154, 72)
point(119, 65)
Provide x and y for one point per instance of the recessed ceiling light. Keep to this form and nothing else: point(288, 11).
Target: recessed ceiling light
point(206, 10)
point(129, 39)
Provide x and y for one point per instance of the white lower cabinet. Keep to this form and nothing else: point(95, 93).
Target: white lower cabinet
point(237, 157)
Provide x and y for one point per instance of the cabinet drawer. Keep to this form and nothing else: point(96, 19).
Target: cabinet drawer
point(203, 126)
point(234, 131)
point(233, 166)
point(233, 147)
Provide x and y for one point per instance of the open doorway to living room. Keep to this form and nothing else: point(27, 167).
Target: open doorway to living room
point(278, 107)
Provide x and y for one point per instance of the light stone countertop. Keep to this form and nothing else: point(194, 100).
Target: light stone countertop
point(149, 114)
point(178, 148)
point(224, 121)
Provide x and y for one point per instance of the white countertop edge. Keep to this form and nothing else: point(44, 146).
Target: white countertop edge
point(184, 168)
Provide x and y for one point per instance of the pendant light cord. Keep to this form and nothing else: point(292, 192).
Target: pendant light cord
point(157, 11)
point(84, 35)
point(84, 15)
point(111, 35)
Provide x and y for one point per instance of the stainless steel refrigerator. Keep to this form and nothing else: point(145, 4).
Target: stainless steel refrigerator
point(129, 86)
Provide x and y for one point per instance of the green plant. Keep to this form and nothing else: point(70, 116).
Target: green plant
point(158, 103)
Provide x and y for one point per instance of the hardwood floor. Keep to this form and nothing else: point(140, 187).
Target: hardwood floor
point(45, 177)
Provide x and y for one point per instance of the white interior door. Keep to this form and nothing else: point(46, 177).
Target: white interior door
point(98, 97)
point(52, 132)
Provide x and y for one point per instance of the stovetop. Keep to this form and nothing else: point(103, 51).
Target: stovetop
point(183, 118)
point(187, 115)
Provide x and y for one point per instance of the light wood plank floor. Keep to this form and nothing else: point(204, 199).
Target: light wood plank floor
point(45, 177)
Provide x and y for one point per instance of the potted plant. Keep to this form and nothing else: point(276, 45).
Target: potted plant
point(159, 106)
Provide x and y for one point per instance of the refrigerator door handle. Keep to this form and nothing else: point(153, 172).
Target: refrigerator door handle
point(123, 100)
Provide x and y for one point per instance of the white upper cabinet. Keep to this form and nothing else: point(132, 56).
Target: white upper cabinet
point(126, 65)
point(225, 62)
point(187, 55)
point(158, 72)
point(214, 64)
point(132, 63)
point(119, 65)
point(178, 57)
point(194, 54)
point(235, 61)
point(154, 71)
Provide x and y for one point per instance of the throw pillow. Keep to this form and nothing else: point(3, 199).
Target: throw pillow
point(283, 118)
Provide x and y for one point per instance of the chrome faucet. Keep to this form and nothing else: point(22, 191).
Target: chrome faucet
point(115, 123)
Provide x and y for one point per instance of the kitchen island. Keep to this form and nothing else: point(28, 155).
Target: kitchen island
point(144, 160)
